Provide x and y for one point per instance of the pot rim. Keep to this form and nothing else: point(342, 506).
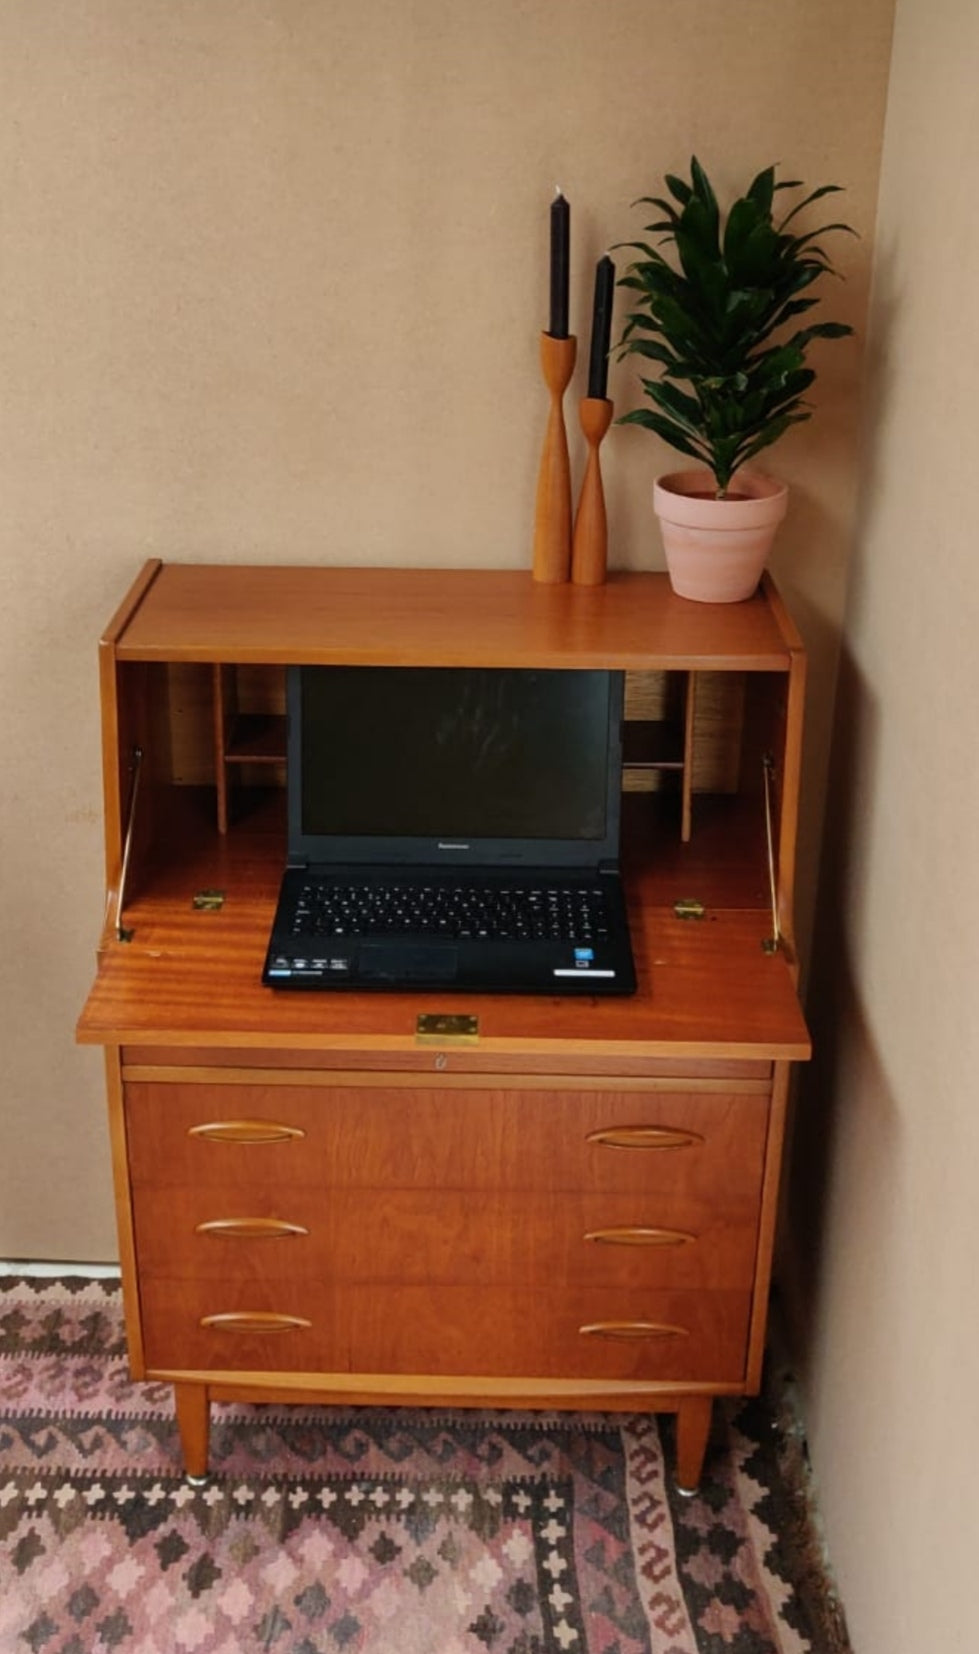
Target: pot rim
point(680, 497)
point(757, 485)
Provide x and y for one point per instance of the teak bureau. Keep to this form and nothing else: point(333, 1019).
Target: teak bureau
point(350, 1198)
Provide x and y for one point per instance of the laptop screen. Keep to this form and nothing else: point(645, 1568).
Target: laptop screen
point(461, 765)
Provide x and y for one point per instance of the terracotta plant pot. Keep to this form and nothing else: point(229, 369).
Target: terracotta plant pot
point(716, 549)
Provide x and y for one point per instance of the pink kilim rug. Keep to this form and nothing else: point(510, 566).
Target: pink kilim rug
point(325, 1531)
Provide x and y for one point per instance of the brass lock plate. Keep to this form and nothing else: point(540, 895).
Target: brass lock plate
point(446, 1028)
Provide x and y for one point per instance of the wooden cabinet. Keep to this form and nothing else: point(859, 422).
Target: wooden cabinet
point(316, 1200)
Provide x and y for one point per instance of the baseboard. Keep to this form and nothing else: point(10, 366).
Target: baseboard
point(30, 1266)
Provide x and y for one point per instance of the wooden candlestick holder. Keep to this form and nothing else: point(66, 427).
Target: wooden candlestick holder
point(552, 525)
point(589, 546)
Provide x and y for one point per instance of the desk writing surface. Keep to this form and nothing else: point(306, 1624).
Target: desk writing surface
point(190, 978)
point(162, 991)
point(448, 617)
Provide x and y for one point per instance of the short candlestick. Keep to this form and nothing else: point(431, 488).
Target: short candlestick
point(589, 554)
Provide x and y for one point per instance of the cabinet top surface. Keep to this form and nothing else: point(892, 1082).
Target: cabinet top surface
point(396, 616)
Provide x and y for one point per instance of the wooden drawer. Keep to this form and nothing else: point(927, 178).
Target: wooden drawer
point(374, 1138)
point(497, 1332)
point(447, 1236)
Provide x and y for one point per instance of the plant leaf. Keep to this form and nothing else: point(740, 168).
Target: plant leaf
point(670, 433)
point(761, 190)
point(814, 195)
point(686, 410)
point(678, 188)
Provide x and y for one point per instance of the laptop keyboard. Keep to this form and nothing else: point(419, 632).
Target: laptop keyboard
point(516, 912)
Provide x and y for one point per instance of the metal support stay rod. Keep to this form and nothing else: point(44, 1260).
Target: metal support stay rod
point(773, 942)
point(122, 934)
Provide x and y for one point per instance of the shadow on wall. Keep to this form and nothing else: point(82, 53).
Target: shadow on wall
point(842, 1045)
point(842, 1094)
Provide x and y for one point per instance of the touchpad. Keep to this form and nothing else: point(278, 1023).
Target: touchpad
point(408, 961)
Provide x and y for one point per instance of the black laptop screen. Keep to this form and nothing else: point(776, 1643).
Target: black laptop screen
point(434, 763)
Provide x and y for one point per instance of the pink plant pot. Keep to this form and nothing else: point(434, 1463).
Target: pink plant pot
point(716, 549)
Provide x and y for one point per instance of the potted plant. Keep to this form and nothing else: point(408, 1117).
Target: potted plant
point(720, 321)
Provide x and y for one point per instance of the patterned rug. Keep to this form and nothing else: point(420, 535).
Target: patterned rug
point(370, 1531)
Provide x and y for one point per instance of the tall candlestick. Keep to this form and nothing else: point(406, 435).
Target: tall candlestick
point(560, 265)
point(601, 328)
point(552, 523)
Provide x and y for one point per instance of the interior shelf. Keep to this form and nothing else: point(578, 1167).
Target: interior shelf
point(256, 738)
point(249, 729)
point(652, 744)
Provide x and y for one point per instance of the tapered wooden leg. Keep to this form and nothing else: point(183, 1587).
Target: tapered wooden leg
point(692, 1429)
point(193, 1422)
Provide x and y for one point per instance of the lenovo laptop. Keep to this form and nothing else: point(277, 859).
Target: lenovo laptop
point(453, 828)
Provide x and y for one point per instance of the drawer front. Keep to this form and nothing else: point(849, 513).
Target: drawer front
point(581, 1332)
point(446, 1236)
point(707, 1145)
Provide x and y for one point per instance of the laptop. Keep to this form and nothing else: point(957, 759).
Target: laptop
point(453, 828)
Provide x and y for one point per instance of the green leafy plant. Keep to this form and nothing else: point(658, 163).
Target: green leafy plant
point(715, 320)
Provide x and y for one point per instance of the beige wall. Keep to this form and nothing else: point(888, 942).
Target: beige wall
point(273, 275)
point(891, 1130)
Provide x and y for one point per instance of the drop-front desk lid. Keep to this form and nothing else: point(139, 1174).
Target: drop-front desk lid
point(706, 990)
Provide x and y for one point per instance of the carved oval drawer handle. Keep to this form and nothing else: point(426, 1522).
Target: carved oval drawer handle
point(254, 1320)
point(632, 1330)
point(643, 1137)
point(636, 1234)
point(245, 1131)
point(250, 1228)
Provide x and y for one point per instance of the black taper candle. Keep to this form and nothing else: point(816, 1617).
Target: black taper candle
point(601, 327)
point(560, 264)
